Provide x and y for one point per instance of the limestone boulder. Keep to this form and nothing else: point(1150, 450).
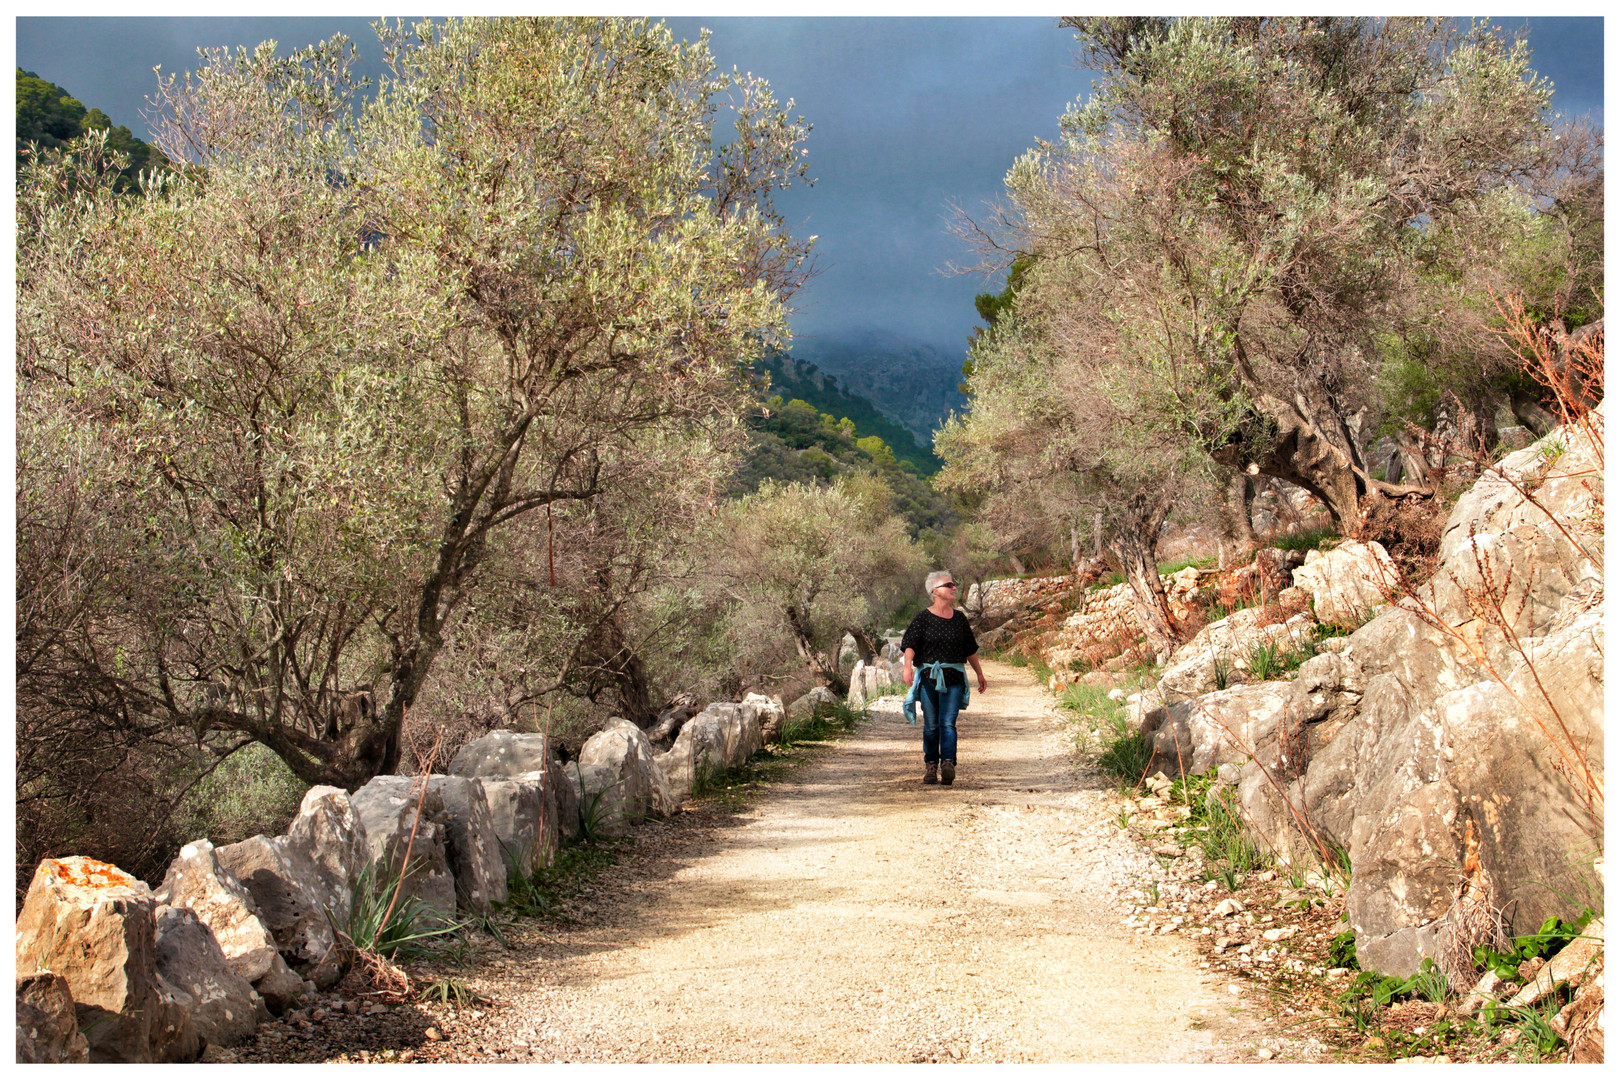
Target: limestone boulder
point(872, 679)
point(280, 881)
point(197, 881)
point(526, 758)
point(744, 736)
point(94, 925)
point(517, 813)
point(1347, 583)
point(502, 753)
point(472, 844)
point(224, 1007)
point(699, 750)
point(47, 1024)
point(622, 780)
point(405, 832)
point(1580, 1023)
point(819, 699)
point(771, 715)
point(1191, 737)
point(329, 839)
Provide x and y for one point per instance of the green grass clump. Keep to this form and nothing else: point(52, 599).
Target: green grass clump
point(1127, 753)
point(1217, 828)
point(446, 990)
point(1306, 540)
point(1270, 660)
point(1166, 569)
point(534, 893)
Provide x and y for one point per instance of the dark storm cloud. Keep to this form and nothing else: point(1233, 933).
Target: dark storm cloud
point(910, 116)
point(107, 63)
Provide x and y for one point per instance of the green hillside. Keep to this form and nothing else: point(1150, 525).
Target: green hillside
point(793, 378)
point(794, 439)
point(52, 117)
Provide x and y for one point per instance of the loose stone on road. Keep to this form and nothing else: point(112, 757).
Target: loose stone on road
point(851, 914)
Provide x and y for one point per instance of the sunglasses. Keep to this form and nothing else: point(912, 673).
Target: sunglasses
point(946, 585)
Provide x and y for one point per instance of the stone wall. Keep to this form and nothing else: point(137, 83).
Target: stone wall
point(110, 970)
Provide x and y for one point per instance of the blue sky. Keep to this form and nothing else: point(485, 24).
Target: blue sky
point(910, 116)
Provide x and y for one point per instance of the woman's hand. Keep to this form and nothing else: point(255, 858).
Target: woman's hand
point(983, 686)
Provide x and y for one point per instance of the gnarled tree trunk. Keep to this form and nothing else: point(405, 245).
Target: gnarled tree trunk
point(1135, 544)
point(1312, 447)
point(816, 661)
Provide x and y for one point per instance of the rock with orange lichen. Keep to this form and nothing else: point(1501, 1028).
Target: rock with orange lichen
point(94, 925)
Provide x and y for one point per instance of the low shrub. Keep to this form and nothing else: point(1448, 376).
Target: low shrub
point(1554, 934)
point(1408, 528)
point(387, 924)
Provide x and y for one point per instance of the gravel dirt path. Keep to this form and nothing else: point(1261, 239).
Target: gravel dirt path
point(852, 914)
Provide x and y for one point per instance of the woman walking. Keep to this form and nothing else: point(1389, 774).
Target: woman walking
point(939, 645)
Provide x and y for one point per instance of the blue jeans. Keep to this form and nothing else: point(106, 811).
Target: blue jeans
point(939, 720)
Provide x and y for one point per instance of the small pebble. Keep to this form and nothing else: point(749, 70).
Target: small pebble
point(432, 1034)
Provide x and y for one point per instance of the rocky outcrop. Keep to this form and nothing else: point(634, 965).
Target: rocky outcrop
point(1453, 745)
point(1346, 584)
point(47, 1025)
point(94, 925)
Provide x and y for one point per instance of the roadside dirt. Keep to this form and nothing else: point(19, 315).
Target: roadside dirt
point(850, 914)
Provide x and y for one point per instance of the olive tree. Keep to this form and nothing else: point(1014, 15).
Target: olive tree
point(804, 565)
point(307, 384)
point(1066, 438)
point(1240, 202)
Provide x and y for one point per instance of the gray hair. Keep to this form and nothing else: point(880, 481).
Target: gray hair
point(933, 580)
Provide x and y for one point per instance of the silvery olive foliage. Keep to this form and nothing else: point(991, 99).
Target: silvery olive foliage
point(1229, 233)
point(287, 413)
point(805, 564)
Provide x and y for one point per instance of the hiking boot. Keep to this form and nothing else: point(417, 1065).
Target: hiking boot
point(930, 772)
point(947, 772)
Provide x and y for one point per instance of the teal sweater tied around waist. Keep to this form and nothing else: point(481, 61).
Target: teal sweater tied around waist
point(938, 667)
